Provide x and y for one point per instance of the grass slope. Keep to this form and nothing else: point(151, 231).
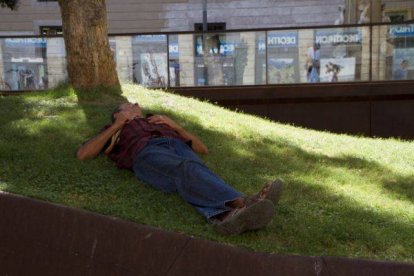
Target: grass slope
point(345, 196)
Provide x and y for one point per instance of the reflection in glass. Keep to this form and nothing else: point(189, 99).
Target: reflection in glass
point(393, 52)
point(24, 64)
point(179, 55)
point(56, 62)
point(372, 11)
point(121, 47)
point(150, 60)
point(230, 59)
point(396, 11)
point(336, 55)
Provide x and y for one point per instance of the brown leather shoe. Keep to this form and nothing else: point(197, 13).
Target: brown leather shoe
point(271, 191)
point(254, 216)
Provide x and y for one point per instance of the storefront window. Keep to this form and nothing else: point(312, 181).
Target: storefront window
point(24, 63)
point(282, 57)
point(393, 52)
point(336, 55)
point(176, 57)
point(229, 59)
point(403, 61)
point(150, 60)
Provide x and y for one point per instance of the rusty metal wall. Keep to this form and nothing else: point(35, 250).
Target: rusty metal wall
point(39, 238)
point(380, 109)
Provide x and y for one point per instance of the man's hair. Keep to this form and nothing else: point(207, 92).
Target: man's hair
point(116, 110)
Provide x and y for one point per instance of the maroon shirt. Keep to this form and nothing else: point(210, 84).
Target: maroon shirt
point(133, 138)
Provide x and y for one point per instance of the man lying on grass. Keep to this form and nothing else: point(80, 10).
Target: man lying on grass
point(161, 153)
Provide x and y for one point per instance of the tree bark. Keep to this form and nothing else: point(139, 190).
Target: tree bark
point(90, 62)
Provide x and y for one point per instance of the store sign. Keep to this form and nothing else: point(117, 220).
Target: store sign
point(402, 30)
point(338, 38)
point(25, 42)
point(282, 40)
point(279, 40)
point(150, 38)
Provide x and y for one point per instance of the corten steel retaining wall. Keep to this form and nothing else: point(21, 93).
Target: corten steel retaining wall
point(39, 238)
point(380, 109)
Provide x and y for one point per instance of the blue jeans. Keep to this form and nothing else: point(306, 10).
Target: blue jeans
point(170, 165)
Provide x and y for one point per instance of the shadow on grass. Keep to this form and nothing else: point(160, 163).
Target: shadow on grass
point(37, 159)
point(99, 102)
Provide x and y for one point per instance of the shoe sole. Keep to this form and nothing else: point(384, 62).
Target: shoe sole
point(256, 216)
point(275, 191)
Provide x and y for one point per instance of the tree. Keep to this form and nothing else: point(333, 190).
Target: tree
point(90, 62)
point(11, 4)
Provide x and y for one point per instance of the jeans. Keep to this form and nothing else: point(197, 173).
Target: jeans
point(171, 166)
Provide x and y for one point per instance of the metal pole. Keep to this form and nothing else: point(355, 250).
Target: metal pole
point(204, 15)
point(205, 50)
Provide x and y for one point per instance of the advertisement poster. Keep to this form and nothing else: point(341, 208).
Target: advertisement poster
point(154, 69)
point(281, 70)
point(282, 57)
point(338, 69)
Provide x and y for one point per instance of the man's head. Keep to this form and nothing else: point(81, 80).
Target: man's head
point(404, 64)
point(133, 108)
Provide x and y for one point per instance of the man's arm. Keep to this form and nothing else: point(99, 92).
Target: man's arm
point(196, 144)
point(94, 146)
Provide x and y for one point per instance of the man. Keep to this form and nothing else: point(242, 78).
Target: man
point(161, 153)
point(313, 63)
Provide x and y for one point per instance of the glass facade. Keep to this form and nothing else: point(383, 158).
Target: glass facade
point(393, 52)
point(310, 55)
point(24, 63)
point(229, 59)
point(149, 60)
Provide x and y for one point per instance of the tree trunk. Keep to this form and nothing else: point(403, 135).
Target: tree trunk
point(90, 62)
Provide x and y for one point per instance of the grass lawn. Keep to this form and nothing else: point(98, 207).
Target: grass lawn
point(344, 195)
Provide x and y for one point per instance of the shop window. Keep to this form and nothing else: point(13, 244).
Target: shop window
point(282, 57)
point(336, 55)
point(150, 60)
point(25, 64)
point(229, 59)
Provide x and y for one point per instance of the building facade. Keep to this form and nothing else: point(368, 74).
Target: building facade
point(138, 16)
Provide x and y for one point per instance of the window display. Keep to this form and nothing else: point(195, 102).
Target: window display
point(173, 61)
point(283, 63)
point(336, 54)
point(24, 63)
point(403, 51)
point(229, 59)
point(150, 60)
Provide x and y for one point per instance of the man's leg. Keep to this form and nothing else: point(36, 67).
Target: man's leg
point(171, 166)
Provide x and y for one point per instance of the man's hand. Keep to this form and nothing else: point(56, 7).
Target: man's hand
point(123, 117)
point(196, 144)
point(164, 120)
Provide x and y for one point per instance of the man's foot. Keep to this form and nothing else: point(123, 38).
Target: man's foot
point(255, 216)
point(270, 191)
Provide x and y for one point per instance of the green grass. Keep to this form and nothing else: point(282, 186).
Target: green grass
point(345, 196)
